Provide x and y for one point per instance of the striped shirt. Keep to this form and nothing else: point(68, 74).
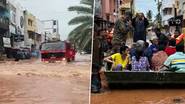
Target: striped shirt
point(176, 60)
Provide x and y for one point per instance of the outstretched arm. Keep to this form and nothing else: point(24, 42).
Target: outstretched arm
point(108, 59)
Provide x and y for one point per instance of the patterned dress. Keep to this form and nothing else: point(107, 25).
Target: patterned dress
point(141, 65)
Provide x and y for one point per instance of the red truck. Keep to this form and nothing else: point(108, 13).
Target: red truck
point(57, 51)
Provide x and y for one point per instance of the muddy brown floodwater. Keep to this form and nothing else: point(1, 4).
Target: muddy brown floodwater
point(157, 95)
point(34, 82)
point(136, 96)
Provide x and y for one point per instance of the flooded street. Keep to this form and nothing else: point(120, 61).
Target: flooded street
point(34, 82)
point(140, 96)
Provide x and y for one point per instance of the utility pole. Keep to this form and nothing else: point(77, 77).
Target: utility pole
point(159, 14)
point(45, 36)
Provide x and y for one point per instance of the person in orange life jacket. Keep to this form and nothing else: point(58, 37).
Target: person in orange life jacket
point(179, 37)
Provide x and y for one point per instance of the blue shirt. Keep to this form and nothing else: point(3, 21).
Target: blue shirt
point(176, 60)
point(153, 48)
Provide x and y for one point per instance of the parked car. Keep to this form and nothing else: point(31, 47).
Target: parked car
point(21, 54)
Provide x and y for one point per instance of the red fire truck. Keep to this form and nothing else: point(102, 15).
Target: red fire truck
point(57, 51)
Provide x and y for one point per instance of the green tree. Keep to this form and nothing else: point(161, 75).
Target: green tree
point(82, 34)
point(158, 16)
point(149, 15)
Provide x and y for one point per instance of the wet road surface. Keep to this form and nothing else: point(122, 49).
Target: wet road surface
point(34, 82)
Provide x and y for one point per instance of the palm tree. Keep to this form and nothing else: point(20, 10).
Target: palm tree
point(82, 34)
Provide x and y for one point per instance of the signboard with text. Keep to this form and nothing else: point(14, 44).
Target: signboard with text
point(176, 21)
point(6, 42)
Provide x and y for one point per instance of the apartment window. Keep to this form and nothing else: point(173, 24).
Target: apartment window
point(54, 22)
point(54, 30)
point(122, 12)
point(167, 11)
point(30, 22)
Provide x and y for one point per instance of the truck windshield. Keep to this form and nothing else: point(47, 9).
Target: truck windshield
point(53, 46)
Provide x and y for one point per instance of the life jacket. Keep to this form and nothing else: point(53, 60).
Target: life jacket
point(179, 39)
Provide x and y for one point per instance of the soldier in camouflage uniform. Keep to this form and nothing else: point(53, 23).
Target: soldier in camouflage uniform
point(121, 29)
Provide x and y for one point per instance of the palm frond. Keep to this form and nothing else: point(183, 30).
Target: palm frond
point(79, 29)
point(80, 9)
point(87, 2)
point(82, 34)
point(80, 19)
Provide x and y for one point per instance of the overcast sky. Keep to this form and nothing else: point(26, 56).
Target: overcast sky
point(145, 5)
point(57, 9)
point(53, 9)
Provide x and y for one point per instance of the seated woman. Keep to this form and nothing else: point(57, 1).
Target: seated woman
point(140, 62)
point(119, 60)
point(159, 58)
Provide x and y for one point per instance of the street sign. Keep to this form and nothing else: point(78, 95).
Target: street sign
point(6, 42)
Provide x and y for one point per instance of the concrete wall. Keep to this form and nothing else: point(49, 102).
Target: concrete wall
point(108, 7)
point(40, 29)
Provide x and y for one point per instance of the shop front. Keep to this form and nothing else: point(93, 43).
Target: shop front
point(4, 26)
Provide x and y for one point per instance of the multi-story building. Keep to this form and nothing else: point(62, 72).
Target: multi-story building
point(110, 10)
point(167, 10)
point(16, 26)
point(51, 28)
point(126, 6)
point(30, 30)
point(4, 26)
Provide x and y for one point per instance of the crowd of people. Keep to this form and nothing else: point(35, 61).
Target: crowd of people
point(152, 50)
point(160, 51)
